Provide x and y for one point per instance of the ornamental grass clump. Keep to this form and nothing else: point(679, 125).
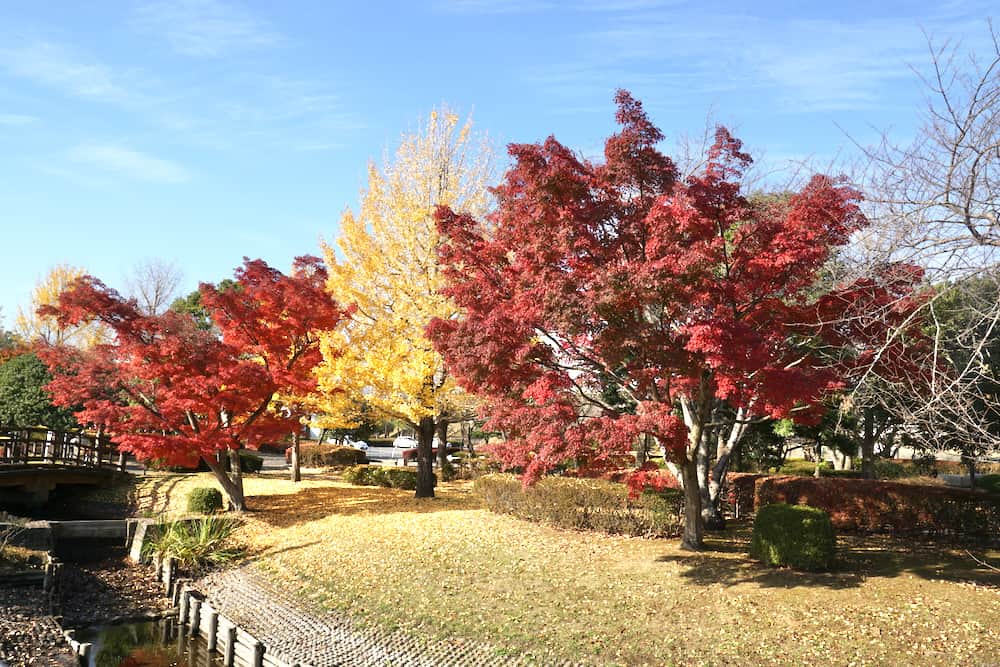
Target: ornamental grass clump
point(798, 536)
point(198, 544)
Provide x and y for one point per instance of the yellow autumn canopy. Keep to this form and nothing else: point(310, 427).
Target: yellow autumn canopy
point(385, 262)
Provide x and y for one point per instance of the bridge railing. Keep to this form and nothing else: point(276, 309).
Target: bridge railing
point(41, 446)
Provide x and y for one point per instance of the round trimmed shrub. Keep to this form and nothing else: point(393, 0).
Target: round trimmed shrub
point(204, 500)
point(799, 536)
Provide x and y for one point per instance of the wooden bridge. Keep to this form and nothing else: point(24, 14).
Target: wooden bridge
point(33, 461)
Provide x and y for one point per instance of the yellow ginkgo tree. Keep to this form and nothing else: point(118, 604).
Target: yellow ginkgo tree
point(33, 327)
point(385, 263)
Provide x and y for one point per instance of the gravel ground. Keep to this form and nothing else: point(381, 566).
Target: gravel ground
point(28, 635)
point(108, 591)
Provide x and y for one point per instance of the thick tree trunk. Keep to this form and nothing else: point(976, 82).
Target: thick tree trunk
point(425, 458)
point(693, 531)
point(970, 464)
point(441, 428)
point(296, 465)
point(710, 516)
point(236, 470)
point(233, 492)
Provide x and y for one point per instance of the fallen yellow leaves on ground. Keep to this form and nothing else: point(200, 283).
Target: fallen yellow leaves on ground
point(446, 567)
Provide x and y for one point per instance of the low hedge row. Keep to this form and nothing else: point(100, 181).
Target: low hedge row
point(891, 507)
point(319, 456)
point(588, 504)
point(741, 490)
point(388, 476)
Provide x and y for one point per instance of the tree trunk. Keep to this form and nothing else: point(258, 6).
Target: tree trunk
point(233, 492)
point(868, 447)
point(236, 470)
point(642, 449)
point(441, 428)
point(970, 464)
point(467, 437)
point(710, 515)
point(692, 537)
point(425, 458)
point(296, 466)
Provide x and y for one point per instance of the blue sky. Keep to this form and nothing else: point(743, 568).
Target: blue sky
point(202, 131)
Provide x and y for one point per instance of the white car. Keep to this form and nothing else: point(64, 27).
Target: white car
point(404, 442)
point(357, 444)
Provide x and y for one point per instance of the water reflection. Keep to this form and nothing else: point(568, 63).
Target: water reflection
point(153, 644)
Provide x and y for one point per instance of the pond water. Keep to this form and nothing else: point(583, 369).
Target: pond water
point(152, 644)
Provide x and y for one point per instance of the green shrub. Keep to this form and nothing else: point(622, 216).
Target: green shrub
point(796, 535)
point(387, 476)
point(251, 463)
point(990, 483)
point(197, 544)
point(891, 470)
point(319, 456)
point(204, 500)
point(803, 467)
point(586, 504)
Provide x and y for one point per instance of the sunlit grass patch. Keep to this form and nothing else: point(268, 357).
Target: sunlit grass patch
point(446, 567)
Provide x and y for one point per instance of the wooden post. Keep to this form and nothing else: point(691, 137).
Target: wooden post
point(212, 630)
point(182, 616)
point(195, 616)
point(230, 655)
point(168, 576)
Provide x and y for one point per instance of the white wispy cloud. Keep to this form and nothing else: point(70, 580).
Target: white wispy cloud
point(16, 120)
point(131, 163)
point(670, 54)
point(56, 66)
point(204, 28)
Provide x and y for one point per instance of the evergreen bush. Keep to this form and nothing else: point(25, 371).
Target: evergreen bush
point(795, 535)
point(204, 500)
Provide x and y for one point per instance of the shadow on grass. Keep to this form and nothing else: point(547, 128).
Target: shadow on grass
point(311, 504)
point(726, 561)
point(158, 498)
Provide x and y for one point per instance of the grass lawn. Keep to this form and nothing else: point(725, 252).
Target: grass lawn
point(446, 567)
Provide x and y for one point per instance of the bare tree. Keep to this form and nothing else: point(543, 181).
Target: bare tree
point(936, 203)
point(153, 284)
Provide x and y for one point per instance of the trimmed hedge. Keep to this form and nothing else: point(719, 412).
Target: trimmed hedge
point(740, 494)
point(587, 504)
point(249, 463)
point(795, 535)
point(320, 456)
point(388, 476)
point(888, 507)
point(989, 483)
point(204, 500)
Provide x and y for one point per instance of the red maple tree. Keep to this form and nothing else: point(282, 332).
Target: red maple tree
point(604, 301)
point(166, 389)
